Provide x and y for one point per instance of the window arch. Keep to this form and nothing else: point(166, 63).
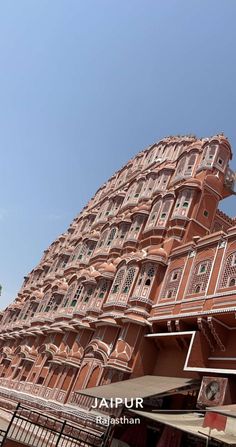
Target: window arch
point(111, 236)
point(183, 203)
point(165, 212)
point(86, 299)
point(209, 154)
point(189, 165)
point(102, 289)
point(102, 239)
point(128, 280)
point(130, 193)
point(145, 280)
point(154, 215)
point(72, 295)
point(44, 302)
point(180, 167)
point(228, 277)
point(136, 227)
point(148, 186)
point(122, 283)
point(76, 296)
point(116, 286)
point(171, 284)
point(200, 276)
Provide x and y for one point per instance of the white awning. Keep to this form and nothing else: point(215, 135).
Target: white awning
point(189, 423)
point(144, 386)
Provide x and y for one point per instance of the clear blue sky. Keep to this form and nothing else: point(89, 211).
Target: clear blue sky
point(84, 85)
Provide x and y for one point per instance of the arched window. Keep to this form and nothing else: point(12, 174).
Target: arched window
point(76, 296)
point(148, 187)
point(123, 231)
point(79, 252)
point(171, 284)
point(138, 189)
point(102, 289)
point(145, 280)
point(130, 193)
point(44, 302)
point(200, 277)
point(180, 167)
point(68, 295)
point(122, 284)
point(154, 215)
point(102, 239)
point(190, 162)
point(116, 286)
point(183, 203)
point(128, 280)
point(72, 295)
point(164, 213)
point(209, 155)
point(111, 236)
point(136, 227)
point(88, 292)
point(228, 276)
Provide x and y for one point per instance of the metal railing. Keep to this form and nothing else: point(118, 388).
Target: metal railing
point(35, 429)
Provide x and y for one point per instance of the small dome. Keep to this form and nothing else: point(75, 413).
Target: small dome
point(144, 207)
point(193, 182)
point(117, 261)
point(38, 294)
point(157, 251)
point(108, 267)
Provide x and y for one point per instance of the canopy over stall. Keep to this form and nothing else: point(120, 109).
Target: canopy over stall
point(189, 423)
point(144, 386)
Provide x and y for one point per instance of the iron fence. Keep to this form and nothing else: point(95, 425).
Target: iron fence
point(35, 429)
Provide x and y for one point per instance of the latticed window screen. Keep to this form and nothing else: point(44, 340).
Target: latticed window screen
point(44, 301)
point(76, 296)
point(128, 280)
point(102, 289)
point(88, 293)
point(69, 295)
point(148, 187)
point(163, 181)
point(200, 277)
point(172, 284)
point(118, 281)
point(183, 203)
point(145, 280)
point(164, 214)
point(49, 304)
point(154, 214)
point(228, 277)
point(136, 227)
point(209, 154)
point(90, 248)
point(180, 167)
point(190, 164)
point(130, 193)
point(138, 190)
point(102, 239)
point(150, 156)
point(76, 252)
point(123, 231)
point(111, 236)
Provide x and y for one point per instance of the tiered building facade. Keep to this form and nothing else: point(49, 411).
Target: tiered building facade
point(142, 282)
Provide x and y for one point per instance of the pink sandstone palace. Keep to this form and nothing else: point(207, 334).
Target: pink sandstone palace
point(141, 286)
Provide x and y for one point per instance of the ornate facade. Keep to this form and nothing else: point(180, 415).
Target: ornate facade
point(149, 256)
